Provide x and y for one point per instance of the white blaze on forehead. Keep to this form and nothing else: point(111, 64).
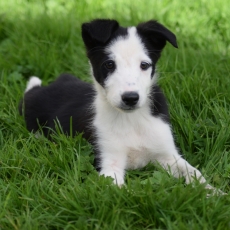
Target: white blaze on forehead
point(128, 48)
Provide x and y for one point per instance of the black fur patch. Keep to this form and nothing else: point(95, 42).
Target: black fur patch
point(66, 99)
point(97, 35)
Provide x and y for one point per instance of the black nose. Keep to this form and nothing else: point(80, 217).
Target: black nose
point(130, 98)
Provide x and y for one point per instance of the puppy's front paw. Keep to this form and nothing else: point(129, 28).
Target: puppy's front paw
point(118, 178)
point(214, 191)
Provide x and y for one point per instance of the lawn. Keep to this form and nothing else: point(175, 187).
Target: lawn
point(52, 184)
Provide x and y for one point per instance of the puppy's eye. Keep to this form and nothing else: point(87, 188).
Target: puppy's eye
point(145, 65)
point(110, 65)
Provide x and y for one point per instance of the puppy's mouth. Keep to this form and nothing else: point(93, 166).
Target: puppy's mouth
point(127, 109)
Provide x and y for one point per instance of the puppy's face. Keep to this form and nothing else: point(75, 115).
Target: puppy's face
point(128, 72)
point(123, 60)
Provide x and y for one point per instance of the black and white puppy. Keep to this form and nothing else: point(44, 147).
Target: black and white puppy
point(124, 114)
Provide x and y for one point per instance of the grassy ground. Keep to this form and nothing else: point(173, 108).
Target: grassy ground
point(52, 185)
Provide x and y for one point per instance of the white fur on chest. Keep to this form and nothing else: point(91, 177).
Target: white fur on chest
point(134, 137)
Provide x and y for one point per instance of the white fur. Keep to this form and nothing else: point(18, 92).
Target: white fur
point(34, 81)
point(132, 140)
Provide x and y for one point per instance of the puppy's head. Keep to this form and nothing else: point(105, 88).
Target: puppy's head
point(123, 59)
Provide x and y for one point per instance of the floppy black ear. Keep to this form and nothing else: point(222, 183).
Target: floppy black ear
point(156, 33)
point(98, 32)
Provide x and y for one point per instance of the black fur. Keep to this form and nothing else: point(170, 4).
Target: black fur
point(154, 37)
point(159, 105)
point(96, 36)
point(67, 99)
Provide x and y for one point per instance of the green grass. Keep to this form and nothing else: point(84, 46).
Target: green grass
point(52, 184)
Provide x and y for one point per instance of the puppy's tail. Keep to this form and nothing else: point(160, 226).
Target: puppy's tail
point(33, 82)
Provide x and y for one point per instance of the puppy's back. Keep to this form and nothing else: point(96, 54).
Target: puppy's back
point(65, 98)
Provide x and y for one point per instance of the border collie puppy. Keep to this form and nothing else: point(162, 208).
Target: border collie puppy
point(124, 114)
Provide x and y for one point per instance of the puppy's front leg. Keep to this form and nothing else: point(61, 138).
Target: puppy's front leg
point(112, 162)
point(167, 155)
point(177, 166)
